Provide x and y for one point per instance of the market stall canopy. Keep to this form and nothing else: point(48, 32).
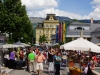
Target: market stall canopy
point(36, 44)
point(26, 45)
point(81, 44)
point(21, 44)
point(8, 46)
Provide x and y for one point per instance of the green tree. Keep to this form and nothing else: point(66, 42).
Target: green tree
point(2, 16)
point(17, 21)
point(42, 39)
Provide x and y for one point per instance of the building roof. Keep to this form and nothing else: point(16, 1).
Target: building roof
point(97, 29)
point(80, 24)
point(49, 15)
point(93, 27)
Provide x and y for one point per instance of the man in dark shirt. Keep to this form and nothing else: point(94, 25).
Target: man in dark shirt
point(27, 53)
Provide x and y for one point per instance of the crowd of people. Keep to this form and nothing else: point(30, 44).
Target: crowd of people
point(34, 58)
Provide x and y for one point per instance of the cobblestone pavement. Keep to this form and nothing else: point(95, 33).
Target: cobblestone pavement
point(45, 72)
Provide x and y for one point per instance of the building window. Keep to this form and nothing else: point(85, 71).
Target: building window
point(46, 31)
point(79, 28)
point(51, 18)
point(46, 36)
point(40, 31)
point(51, 31)
point(50, 25)
point(46, 25)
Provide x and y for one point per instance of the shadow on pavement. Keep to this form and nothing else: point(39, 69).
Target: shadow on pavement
point(45, 68)
point(34, 74)
point(45, 72)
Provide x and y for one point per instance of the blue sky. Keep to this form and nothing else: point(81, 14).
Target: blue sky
point(75, 9)
point(82, 7)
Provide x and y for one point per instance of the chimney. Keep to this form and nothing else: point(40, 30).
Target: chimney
point(92, 21)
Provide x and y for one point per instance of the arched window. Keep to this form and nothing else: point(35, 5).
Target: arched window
point(79, 28)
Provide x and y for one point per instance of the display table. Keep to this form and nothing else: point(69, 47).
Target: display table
point(74, 71)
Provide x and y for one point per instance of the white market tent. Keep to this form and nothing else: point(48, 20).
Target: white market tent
point(8, 46)
point(26, 45)
point(37, 45)
point(21, 44)
point(81, 45)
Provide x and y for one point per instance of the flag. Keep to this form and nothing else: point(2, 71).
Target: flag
point(64, 32)
point(61, 32)
point(56, 34)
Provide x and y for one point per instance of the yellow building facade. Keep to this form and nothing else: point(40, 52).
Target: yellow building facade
point(48, 28)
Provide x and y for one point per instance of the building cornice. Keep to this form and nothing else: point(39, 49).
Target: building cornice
point(51, 21)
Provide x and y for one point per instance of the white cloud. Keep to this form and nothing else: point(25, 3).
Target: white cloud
point(39, 4)
point(96, 13)
point(39, 8)
point(55, 11)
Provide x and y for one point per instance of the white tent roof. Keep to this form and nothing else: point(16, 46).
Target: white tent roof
point(21, 44)
point(81, 44)
point(8, 46)
point(25, 44)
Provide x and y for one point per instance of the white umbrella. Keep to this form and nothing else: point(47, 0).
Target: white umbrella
point(82, 44)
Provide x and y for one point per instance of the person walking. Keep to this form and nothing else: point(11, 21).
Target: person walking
point(39, 65)
point(12, 60)
point(21, 53)
point(27, 53)
point(6, 59)
point(57, 60)
point(31, 60)
point(51, 62)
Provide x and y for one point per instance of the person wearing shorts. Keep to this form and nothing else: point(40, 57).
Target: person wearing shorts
point(39, 65)
point(31, 59)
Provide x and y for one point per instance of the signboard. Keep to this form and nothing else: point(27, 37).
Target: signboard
point(2, 38)
point(64, 61)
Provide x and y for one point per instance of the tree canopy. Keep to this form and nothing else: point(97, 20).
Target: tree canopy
point(14, 19)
